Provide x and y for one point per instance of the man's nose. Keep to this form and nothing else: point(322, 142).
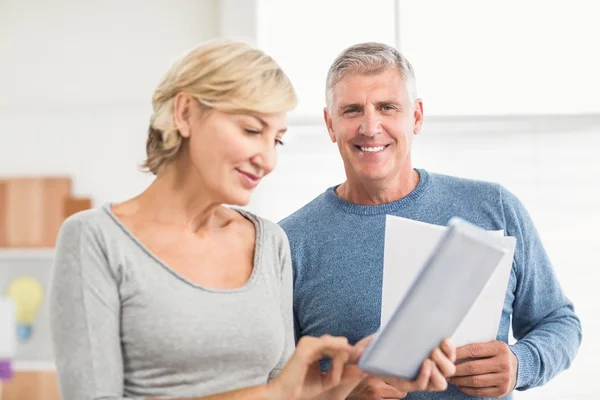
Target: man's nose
point(370, 124)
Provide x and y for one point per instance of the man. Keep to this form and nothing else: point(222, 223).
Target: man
point(337, 239)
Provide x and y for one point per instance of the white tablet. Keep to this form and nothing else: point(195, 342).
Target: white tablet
point(436, 303)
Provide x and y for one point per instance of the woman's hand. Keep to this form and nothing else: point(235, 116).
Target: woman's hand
point(432, 377)
point(301, 378)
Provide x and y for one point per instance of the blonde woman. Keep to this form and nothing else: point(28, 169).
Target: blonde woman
point(173, 295)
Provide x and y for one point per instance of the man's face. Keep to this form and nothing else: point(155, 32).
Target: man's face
point(373, 121)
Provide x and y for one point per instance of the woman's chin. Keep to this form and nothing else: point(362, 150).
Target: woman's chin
point(241, 198)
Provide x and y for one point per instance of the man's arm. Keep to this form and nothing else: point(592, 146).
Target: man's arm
point(547, 330)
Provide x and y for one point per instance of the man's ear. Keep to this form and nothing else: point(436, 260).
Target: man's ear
point(329, 123)
point(418, 116)
point(182, 113)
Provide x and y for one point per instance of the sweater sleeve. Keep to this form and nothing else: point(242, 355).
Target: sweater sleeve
point(84, 307)
point(547, 330)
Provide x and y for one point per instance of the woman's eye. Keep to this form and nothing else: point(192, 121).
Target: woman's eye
point(252, 131)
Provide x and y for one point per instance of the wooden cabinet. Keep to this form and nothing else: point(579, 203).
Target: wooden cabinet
point(2, 213)
point(32, 210)
point(31, 385)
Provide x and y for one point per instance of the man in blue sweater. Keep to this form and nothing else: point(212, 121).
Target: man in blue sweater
point(337, 239)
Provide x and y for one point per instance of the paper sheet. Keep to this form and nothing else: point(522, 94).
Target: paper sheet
point(408, 243)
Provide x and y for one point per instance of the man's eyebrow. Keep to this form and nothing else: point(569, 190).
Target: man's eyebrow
point(389, 103)
point(351, 105)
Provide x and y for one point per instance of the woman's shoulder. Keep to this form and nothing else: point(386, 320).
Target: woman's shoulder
point(93, 219)
point(269, 231)
point(93, 227)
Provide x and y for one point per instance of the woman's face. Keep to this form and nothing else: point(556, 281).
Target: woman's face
point(231, 153)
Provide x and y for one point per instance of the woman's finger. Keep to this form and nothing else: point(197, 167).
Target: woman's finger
point(336, 369)
point(437, 381)
point(351, 378)
point(443, 363)
point(313, 349)
point(449, 349)
point(309, 350)
point(422, 380)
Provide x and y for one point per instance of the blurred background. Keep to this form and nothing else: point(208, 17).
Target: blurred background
point(510, 90)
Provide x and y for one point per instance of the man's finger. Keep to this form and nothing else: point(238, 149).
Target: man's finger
point(478, 367)
point(477, 350)
point(478, 381)
point(480, 392)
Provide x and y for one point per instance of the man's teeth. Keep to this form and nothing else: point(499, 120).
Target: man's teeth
point(372, 149)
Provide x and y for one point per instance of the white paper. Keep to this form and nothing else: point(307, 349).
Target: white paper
point(8, 332)
point(408, 243)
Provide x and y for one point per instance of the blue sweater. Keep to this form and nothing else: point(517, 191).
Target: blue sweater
point(337, 256)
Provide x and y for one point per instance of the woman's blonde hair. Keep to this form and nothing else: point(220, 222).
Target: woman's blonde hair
point(226, 75)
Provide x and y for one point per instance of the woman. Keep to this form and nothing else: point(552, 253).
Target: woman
point(171, 294)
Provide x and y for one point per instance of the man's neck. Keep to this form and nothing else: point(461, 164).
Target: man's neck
point(376, 193)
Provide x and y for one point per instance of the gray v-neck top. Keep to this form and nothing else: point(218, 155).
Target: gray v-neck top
point(125, 325)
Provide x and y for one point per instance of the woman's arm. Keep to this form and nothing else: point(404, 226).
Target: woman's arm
point(85, 313)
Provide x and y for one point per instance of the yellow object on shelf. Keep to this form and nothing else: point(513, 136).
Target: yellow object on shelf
point(27, 294)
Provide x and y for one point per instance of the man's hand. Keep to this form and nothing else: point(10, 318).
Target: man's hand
point(491, 372)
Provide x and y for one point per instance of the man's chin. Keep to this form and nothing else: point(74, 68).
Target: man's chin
point(373, 176)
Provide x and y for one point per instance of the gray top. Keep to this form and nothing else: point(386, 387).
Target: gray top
point(125, 325)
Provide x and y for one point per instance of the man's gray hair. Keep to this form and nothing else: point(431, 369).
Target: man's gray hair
point(369, 59)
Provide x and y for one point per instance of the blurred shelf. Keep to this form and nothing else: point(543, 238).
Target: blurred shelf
point(26, 253)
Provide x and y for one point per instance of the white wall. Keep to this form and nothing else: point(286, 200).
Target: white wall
point(503, 56)
point(305, 37)
point(76, 82)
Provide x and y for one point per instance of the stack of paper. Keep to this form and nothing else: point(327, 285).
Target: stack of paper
point(408, 244)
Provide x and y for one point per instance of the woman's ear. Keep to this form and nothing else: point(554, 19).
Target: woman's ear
point(182, 110)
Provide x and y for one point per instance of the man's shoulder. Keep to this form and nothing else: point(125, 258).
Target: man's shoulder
point(312, 210)
point(474, 195)
point(460, 186)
